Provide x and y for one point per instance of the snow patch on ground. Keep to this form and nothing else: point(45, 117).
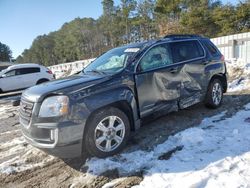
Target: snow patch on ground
point(5, 111)
point(22, 163)
point(215, 154)
point(9, 132)
point(239, 85)
point(113, 183)
point(21, 156)
point(239, 73)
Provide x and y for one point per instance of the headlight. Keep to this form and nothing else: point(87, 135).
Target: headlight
point(54, 106)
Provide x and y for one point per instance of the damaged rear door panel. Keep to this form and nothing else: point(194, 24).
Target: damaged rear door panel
point(191, 57)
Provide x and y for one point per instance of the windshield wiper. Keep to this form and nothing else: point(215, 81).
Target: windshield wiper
point(97, 71)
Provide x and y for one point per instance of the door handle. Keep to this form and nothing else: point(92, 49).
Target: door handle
point(173, 70)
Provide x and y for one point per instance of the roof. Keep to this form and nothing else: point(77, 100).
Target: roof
point(23, 65)
point(182, 36)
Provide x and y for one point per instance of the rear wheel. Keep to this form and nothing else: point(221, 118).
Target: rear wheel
point(42, 81)
point(214, 94)
point(107, 132)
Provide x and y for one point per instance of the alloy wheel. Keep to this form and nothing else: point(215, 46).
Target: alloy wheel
point(217, 93)
point(109, 133)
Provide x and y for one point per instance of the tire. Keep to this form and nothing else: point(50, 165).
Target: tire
point(214, 94)
point(42, 81)
point(100, 134)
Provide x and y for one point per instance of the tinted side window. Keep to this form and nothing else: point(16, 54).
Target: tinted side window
point(211, 48)
point(28, 70)
point(186, 50)
point(157, 57)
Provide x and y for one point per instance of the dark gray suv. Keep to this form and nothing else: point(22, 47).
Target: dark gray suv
point(95, 110)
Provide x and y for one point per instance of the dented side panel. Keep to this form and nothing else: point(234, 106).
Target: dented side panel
point(177, 86)
point(194, 83)
point(158, 90)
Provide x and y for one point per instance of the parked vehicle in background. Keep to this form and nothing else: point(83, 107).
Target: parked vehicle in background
point(95, 110)
point(22, 76)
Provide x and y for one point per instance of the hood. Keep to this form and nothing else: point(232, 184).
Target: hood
point(2, 72)
point(38, 92)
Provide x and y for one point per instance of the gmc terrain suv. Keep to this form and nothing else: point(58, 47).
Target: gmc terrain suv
point(96, 110)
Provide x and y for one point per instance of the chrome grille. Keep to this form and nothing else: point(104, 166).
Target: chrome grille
point(25, 111)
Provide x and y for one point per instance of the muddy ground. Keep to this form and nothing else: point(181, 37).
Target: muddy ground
point(54, 172)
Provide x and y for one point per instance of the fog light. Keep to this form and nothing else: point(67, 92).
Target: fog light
point(52, 135)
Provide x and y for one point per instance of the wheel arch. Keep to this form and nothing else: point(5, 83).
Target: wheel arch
point(121, 98)
point(41, 80)
point(122, 105)
point(222, 78)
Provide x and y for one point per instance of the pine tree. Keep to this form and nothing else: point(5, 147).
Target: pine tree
point(5, 53)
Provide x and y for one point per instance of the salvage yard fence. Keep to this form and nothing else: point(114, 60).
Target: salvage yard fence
point(234, 47)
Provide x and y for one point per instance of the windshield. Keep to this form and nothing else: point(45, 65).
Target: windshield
point(112, 61)
point(3, 71)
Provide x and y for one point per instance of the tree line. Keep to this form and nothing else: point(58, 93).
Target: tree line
point(133, 21)
point(5, 53)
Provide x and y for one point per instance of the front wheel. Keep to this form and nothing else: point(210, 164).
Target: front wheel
point(214, 94)
point(107, 132)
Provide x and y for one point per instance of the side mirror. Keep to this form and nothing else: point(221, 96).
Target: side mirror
point(139, 69)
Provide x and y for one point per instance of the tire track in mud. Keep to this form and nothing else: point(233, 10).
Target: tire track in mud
point(59, 173)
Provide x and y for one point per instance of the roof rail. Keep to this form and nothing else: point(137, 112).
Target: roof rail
point(181, 36)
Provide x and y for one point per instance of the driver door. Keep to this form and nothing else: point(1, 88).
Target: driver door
point(158, 81)
point(11, 81)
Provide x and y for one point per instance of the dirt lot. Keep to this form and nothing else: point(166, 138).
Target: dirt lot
point(30, 167)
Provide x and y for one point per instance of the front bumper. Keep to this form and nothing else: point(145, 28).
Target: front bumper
point(62, 139)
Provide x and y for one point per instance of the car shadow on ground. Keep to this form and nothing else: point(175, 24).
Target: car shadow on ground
point(156, 130)
point(77, 162)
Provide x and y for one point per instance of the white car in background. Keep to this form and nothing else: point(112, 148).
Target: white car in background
point(22, 76)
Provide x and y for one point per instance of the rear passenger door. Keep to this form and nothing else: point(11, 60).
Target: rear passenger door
point(191, 55)
point(29, 76)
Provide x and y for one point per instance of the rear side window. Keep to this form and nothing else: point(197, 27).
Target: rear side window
point(211, 48)
point(186, 50)
point(28, 70)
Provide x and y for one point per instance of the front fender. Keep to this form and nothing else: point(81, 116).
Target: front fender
point(97, 101)
point(84, 107)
